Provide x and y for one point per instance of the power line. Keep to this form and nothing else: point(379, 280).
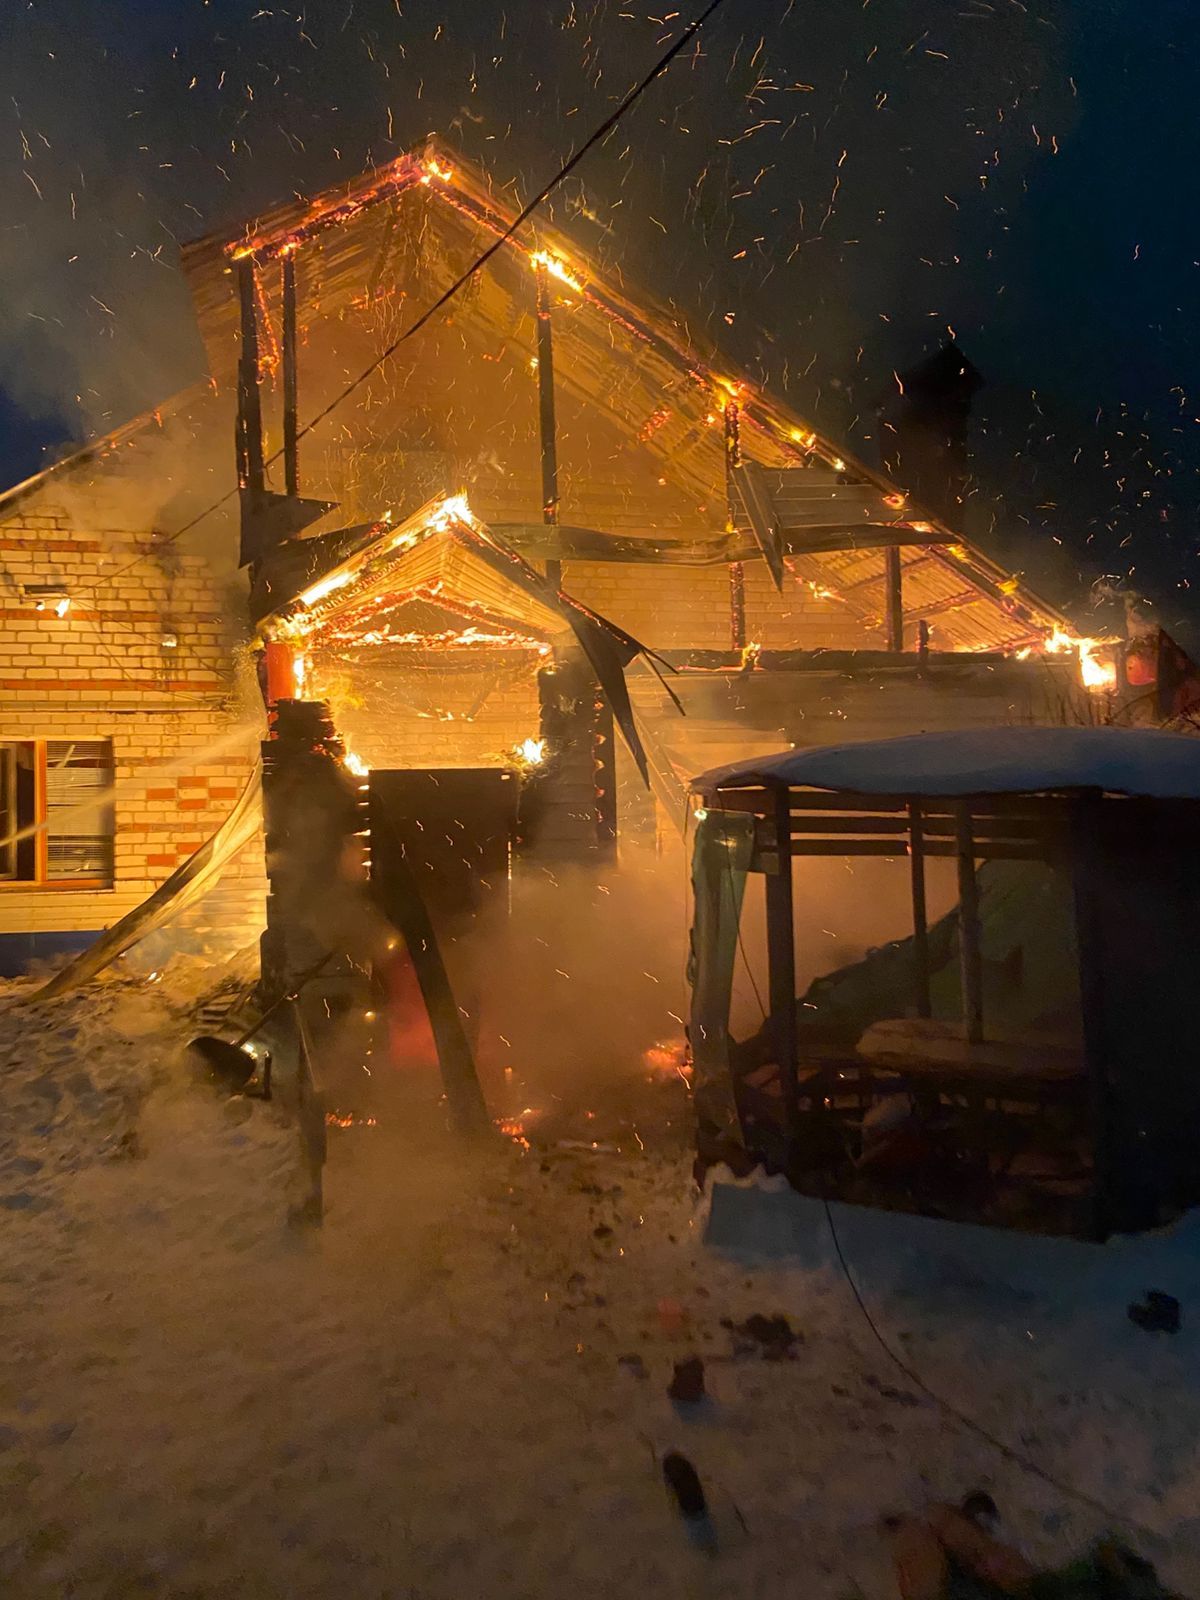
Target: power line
point(964, 1421)
point(968, 1423)
point(597, 137)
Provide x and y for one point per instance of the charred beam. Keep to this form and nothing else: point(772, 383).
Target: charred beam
point(547, 430)
point(737, 575)
point(291, 457)
point(894, 599)
point(251, 468)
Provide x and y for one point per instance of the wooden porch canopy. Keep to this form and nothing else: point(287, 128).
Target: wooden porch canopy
point(444, 552)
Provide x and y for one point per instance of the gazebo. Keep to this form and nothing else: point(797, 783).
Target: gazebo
point(1029, 1057)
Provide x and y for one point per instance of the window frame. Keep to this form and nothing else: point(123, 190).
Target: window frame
point(41, 882)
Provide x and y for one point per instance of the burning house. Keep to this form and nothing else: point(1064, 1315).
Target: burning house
point(522, 532)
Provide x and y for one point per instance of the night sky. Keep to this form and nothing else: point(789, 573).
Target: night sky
point(829, 187)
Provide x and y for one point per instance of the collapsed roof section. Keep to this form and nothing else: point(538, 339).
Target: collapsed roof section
point(643, 416)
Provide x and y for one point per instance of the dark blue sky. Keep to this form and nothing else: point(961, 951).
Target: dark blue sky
point(847, 181)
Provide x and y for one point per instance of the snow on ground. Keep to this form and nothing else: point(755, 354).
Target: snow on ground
point(428, 1397)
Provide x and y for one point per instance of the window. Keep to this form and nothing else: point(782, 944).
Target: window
point(56, 813)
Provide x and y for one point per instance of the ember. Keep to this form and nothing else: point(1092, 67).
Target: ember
point(348, 1119)
point(669, 1058)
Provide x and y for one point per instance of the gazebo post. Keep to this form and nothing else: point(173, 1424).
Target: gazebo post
point(781, 960)
point(968, 926)
point(916, 857)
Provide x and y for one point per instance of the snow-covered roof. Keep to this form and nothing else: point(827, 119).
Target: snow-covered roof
point(1131, 761)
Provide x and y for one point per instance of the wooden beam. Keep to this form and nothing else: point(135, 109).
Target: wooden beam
point(894, 600)
point(916, 854)
point(547, 431)
point(251, 469)
point(970, 954)
point(291, 457)
point(737, 576)
point(404, 903)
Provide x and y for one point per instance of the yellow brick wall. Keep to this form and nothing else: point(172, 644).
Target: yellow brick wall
point(183, 732)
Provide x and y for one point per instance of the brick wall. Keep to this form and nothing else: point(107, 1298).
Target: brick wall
point(398, 737)
point(145, 657)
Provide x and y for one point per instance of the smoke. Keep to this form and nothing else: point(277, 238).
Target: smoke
point(807, 154)
point(588, 970)
point(575, 993)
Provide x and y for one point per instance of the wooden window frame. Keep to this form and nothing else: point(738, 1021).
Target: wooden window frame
point(41, 882)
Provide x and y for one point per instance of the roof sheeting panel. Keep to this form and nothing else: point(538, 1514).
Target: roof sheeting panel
point(1130, 761)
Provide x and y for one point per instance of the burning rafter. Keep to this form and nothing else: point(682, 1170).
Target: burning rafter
point(671, 382)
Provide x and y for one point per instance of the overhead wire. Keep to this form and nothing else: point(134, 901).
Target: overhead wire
point(947, 1407)
point(600, 133)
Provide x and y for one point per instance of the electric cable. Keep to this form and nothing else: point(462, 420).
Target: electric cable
point(947, 1407)
point(598, 136)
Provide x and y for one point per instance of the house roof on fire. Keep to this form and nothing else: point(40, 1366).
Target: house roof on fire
point(641, 407)
point(641, 401)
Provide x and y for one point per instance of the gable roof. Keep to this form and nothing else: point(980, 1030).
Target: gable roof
point(444, 554)
point(652, 390)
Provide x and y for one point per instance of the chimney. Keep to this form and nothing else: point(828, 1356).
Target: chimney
point(923, 432)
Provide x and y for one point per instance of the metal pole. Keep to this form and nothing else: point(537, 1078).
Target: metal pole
point(546, 422)
point(291, 456)
point(737, 575)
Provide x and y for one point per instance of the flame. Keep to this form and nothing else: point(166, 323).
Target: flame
point(454, 508)
point(1094, 673)
point(669, 1058)
point(325, 586)
point(434, 170)
point(556, 268)
point(896, 501)
point(804, 437)
point(750, 655)
point(300, 666)
point(516, 1128)
point(355, 764)
point(532, 752)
